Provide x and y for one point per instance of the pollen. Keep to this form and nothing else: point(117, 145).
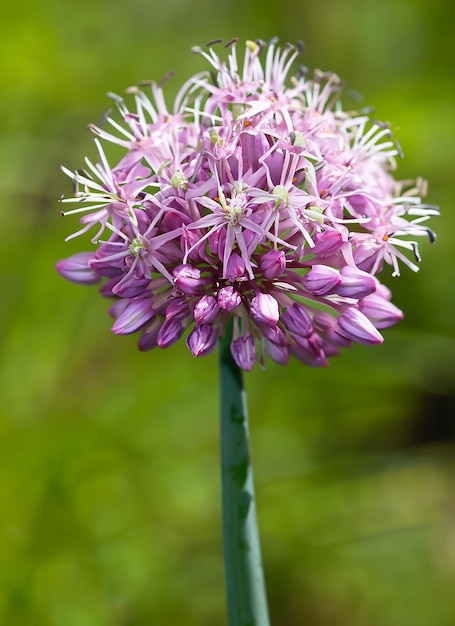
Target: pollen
point(136, 247)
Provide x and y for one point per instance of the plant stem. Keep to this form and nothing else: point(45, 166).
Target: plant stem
point(245, 586)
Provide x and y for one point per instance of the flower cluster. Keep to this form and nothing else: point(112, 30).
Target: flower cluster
point(252, 201)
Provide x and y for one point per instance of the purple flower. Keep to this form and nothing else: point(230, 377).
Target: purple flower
point(228, 298)
point(380, 311)
point(355, 283)
point(77, 269)
point(273, 263)
point(203, 339)
point(356, 326)
point(188, 279)
point(321, 280)
point(265, 308)
point(206, 310)
point(244, 352)
point(297, 320)
point(170, 331)
point(248, 201)
point(134, 315)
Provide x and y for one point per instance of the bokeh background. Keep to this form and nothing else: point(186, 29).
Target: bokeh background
point(109, 482)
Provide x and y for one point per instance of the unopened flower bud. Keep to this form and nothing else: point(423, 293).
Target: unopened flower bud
point(365, 252)
point(76, 269)
point(244, 352)
point(309, 350)
point(297, 320)
point(228, 299)
point(171, 330)
point(355, 283)
point(278, 352)
point(206, 310)
point(321, 280)
point(178, 309)
point(380, 311)
point(325, 324)
point(134, 315)
point(265, 308)
point(356, 326)
point(188, 279)
point(202, 339)
point(327, 243)
point(273, 263)
point(149, 335)
point(129, 288)
point(235, 267)
point(272, 332)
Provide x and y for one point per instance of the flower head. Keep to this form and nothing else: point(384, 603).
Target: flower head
point(255, 198)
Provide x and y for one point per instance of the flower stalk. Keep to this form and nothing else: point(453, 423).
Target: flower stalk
point(245, 586)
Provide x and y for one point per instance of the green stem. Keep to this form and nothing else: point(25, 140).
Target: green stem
point(245, 587)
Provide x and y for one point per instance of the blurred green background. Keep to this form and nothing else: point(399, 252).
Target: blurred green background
point(109, 482)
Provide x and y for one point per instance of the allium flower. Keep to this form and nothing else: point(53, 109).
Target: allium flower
point(255, 198)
